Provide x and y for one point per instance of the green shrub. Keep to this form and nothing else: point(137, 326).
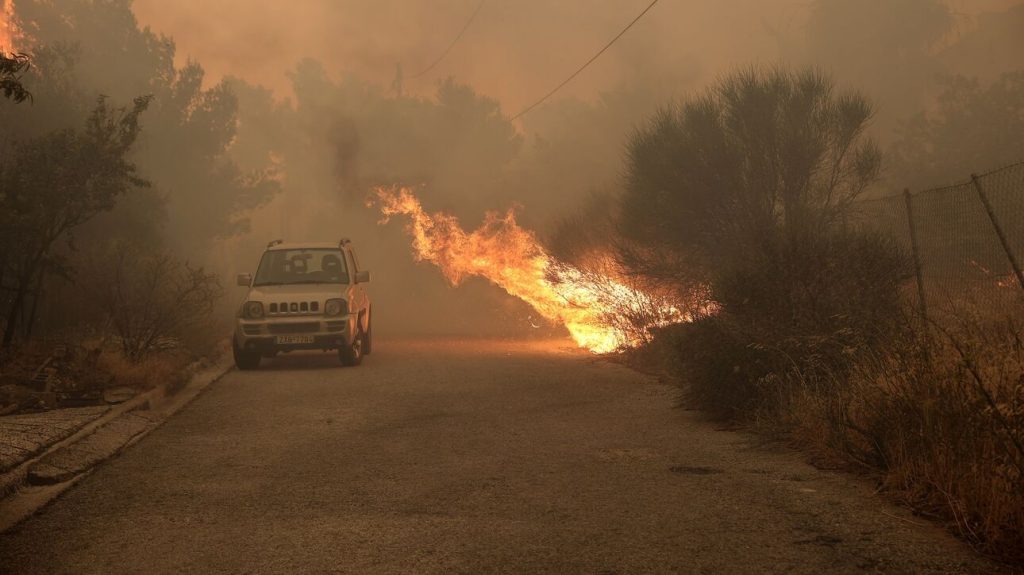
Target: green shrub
point(766, 155)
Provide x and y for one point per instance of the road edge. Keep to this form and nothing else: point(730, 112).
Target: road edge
point(19, 500)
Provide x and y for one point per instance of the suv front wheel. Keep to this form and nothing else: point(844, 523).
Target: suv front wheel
point(245, 360)
point(368, 337)
point(352, 355)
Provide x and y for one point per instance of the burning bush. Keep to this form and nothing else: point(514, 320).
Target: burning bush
point(602, 313)
point(590, 241)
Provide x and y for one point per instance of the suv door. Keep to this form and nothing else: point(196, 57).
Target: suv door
point(360, 300)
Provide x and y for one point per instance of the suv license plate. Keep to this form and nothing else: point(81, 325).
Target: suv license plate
point(293, 339)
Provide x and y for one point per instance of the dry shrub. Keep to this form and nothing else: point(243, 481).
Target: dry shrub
point(168, 368)
point(937, 413)
point(645, 288)
point(719, 367)
point(834, 287)
point(20, 362)
point(632, 306)
point(83, 371)
point(807, 310)
point(151, 299)
point(941, 416)
point(822, 350)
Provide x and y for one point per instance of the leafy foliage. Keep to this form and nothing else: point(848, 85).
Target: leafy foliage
point(61, 182)
point(974, 126)
point(745, 188)
point(763, 158)
point(55, 183)
point(188, 155)
point(199, 193)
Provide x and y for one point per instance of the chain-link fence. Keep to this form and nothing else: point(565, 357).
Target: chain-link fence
point(964, 237)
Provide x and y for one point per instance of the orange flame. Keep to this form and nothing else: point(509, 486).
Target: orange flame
point(8, 27)
point(591, 306)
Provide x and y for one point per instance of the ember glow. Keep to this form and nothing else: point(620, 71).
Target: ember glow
point(600, 313)
point(8, 29)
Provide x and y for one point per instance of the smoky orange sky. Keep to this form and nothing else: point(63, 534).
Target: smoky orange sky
point(514, 51)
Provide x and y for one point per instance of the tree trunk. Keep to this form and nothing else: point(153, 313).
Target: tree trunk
point(37, 294)
point(12, 316)
point(31, 264)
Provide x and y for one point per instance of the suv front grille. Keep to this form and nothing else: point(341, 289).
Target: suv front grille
point(286, 328)
point(295, 307)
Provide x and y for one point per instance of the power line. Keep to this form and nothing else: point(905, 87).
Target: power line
point(454, 42)
point(584, 66)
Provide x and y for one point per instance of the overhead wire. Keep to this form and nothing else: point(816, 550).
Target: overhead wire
point(453, 43)
point(586, 64)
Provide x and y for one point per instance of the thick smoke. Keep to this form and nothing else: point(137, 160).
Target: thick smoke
point(515, 51)
point(339, 117)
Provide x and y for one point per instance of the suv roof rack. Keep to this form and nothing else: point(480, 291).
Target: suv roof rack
point(274, 243)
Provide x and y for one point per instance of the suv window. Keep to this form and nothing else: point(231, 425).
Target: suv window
point(313, 266)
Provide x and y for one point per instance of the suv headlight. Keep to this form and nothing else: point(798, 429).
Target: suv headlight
point(336, 307)
point(253, 309)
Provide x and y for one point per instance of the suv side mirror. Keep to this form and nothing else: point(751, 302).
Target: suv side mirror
point(244, 280)
point(362, 277)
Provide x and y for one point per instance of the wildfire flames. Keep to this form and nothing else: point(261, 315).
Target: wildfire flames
point(8, 28)
point(601, 314)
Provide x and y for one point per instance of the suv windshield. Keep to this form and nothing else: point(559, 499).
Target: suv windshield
point(313, 266)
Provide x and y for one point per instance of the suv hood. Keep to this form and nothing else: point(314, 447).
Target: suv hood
point(309, 292)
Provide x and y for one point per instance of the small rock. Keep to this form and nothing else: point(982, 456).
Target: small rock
point(118, 394)
point(688, 470)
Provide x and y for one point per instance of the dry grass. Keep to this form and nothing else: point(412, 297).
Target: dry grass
point(84, 372)
point(941, 418)
point(937, 413)
point(168, 368)
point(17, 365)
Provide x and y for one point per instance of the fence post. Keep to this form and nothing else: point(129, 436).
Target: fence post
point(908, 199)
point(998, 229)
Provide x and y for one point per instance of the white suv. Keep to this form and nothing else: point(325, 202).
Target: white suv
point(304, 296)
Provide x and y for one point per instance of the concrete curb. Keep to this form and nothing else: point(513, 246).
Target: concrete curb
point(107, 441)
point(38, 481)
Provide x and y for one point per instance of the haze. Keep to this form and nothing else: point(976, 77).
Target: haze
point(541, 286)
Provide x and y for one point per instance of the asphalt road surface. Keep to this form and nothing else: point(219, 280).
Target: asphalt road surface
point(465, 457)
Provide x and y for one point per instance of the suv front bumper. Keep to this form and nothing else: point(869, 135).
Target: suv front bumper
point(268, 335)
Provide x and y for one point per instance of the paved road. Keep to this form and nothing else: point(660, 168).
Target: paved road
point(466, 457)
